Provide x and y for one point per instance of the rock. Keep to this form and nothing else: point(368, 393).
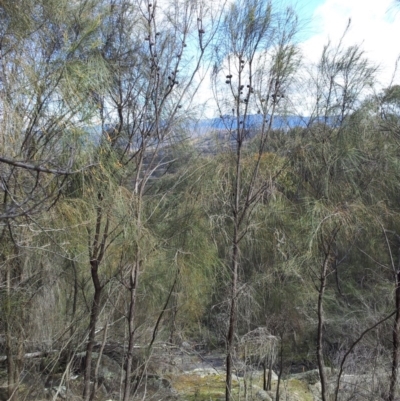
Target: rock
point(311, 376)
point(54, 380)
point(60, 391)
point(315, 390)
point(162, 363)
point(361, 387)
point(203, 372)
point(158, 382)
point(154, 387)
point(263, 395)
point(109, 372)
point(108, 369)
point(259, 374)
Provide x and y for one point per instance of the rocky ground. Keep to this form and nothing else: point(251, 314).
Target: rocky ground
point(180, 374)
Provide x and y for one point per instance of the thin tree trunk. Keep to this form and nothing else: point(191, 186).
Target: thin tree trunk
point(9, 353)
point(14, 343)
point(11, 368)
point(278, 386)
point(71, 345)
point(232, 318)
point(267, 377)
point(96, 371)
point(269, 381)
point(396, 344)
point(320, 355)
point(96, 253)
point(235, 254)
point(264, 365)
point(94, 314)
point(133, 280)
point(174, 309)
point(155, 330)
point(396, 323)
point(75, 299)
point(131, 328)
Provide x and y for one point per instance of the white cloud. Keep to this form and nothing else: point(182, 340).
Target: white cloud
point(374, 24)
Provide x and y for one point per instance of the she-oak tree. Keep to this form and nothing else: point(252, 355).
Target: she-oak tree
point(255, 62)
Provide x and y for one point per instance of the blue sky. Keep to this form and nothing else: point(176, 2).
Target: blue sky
point(375, 25)
point(306, 11)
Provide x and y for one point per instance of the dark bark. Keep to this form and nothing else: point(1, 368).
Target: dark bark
point(264, 376)
point(72, 326)
point(94, 314)
point(396, 323)
point(278, 386)
point(160, 316)
point(269, 378)
point(237, 215)
point(320, 354)
point(131, 329)
point(96, 371)
point(230, 342)
point(232, 318)
point(327, 245)
point(396, 340)
point(96, 252)
point(40, 169)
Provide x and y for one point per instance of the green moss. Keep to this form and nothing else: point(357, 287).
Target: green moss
point(299, 388)
point(195, 387)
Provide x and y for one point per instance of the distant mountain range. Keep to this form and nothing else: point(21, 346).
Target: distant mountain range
point(202, 131)
point(254, 120)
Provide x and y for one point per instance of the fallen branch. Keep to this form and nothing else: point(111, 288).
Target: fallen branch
point(31, 355)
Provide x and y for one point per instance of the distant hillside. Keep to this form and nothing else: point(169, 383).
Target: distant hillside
point(229, 122)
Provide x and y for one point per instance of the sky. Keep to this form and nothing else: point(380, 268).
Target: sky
point(375, 25)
